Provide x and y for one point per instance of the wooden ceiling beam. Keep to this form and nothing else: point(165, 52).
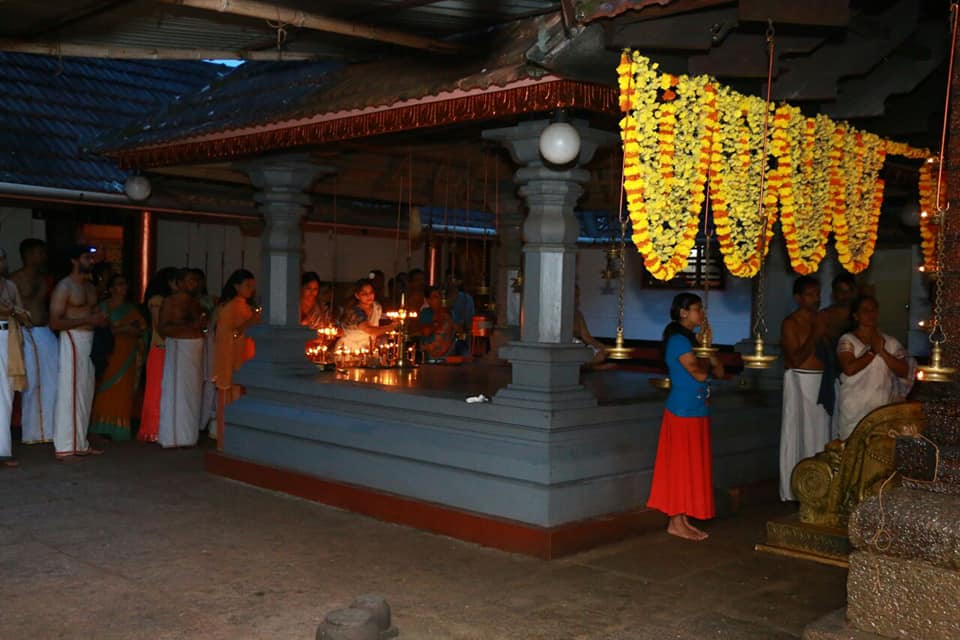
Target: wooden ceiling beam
point(317, 22)
point(143, 53)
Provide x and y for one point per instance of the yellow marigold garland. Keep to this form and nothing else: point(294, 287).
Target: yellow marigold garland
point(735, 174)
point(858, 196)
point(666, 159)
point(677, 131)
point(803, 193)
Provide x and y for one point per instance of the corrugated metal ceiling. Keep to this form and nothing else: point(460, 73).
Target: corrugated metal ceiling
point(154, 24)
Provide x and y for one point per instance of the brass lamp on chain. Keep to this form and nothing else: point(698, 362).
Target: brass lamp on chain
point(611, 269)
point(936, 371)
point(758, 359)
point(705, 348)
point(619, 351)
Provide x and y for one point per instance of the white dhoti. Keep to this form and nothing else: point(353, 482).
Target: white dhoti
point(6, 400)
point(181, 399)
point(74, 397)
point(805, 425)
point(41, 353)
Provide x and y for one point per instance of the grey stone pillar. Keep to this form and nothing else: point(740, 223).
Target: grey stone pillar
point(283, 184)
point(509, 258)
point(545, 361)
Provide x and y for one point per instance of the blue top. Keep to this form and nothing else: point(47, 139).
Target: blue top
point(688, 398)
point(463, 309)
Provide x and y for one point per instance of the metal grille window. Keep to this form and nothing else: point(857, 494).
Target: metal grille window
point(700, 266)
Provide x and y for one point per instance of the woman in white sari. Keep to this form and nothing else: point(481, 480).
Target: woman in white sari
point(877, 370)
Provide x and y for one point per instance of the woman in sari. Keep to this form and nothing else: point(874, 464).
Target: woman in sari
point(232, 348)
point(162, 285)
point(877, 370)
point(361, 318)
point(113, 403)
point(314, 308)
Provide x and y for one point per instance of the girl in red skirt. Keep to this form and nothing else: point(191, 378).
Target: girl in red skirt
point(683, 474)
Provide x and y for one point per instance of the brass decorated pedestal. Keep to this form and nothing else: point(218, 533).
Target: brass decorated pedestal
point(831, 484)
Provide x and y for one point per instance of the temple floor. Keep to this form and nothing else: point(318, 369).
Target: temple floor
point(142, 543)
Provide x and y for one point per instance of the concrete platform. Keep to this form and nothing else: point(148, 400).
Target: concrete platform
point(142, 543)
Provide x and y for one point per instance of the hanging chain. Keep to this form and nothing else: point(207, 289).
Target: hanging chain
point(622, 250)
point(937, 334)
point(760, 326)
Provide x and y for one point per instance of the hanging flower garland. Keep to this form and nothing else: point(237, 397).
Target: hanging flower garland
point(678, 132)
point(667, 137)
point(858, 195)
point(928, 215)
point(800, 146)
point(735, 173)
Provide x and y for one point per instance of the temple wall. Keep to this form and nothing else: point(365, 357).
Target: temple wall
point(219, 249)
point(17, 223)
point(544, 469)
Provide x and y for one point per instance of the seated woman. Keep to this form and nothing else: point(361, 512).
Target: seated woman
point(314, 309)
point(438, 330)
point(361, 318)
point(877, 370)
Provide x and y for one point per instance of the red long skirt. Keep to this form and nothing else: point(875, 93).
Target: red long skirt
point(683, 471)
point(150, 416)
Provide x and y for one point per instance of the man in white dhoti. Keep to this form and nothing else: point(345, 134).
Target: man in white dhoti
point(41, 352)
point(182, 320)
point(13, 373)
point(877, 370)
point(73, 312)
point(805, 425)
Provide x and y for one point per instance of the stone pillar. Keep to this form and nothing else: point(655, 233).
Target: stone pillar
point(283, 184)
point(509, 258)
point(545, 361)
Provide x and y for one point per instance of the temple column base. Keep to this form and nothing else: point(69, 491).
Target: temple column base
point(546, 377)
point(279, 352)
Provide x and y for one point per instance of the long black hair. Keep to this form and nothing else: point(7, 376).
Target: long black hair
point(229, 291)
point(681, 302)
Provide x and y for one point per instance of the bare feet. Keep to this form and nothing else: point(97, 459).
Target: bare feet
point(11, 463)
point(679, 526)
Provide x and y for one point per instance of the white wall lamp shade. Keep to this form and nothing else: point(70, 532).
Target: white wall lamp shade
point(559, 143)
point(137, 188)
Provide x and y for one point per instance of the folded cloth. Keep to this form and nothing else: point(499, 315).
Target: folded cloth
point(479, 398)
point(16, 366)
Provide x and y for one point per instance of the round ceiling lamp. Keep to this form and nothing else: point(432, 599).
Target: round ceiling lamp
point(137, 188)
point(559, 143)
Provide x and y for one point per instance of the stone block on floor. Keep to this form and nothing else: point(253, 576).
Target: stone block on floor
point(834, 626)
point(918, 525)
point(900, 598)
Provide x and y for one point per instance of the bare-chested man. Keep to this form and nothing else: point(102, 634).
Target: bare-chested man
point(74, 314)
point(13, 373)
point(805, 425)
point(181, 323)
point(40, 349)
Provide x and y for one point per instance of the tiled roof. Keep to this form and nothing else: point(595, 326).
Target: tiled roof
point(52, 109)
point(267, 93)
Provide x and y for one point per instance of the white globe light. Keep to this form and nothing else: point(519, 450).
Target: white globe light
point(137, 188)
point(559, 143)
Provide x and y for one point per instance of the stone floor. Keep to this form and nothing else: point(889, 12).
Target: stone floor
point(142, 543)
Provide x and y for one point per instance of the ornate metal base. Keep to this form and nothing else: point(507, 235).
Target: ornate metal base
point(790, 537)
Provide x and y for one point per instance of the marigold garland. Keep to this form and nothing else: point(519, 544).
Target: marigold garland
point(735, 173)
point(678, 132)
point(666, 140)
point(801, 147)
point(858, 195)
